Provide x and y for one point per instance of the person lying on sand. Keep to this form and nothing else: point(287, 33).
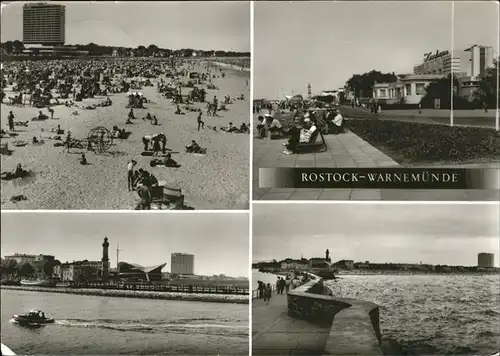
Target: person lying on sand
point(40, 116)
point(195, 148)
point(18, 172)
point(21, 123)
point(36, 141)
point(167, 161)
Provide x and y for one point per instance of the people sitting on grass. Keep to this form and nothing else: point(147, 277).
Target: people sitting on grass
point(18, 172)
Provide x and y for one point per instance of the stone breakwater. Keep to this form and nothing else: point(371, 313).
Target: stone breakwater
point(354, 324)
point(192, 297)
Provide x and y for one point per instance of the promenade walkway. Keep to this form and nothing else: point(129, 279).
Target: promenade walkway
point(346, 150)
point(275, 333)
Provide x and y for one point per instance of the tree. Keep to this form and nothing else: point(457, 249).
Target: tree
point(26, 270)
point(362, 84)
point(152, 50)
point(487, 89)
point(48, 268)
point(18, 47)
point(9, 47)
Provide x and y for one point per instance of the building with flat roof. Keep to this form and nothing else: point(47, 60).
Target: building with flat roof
point(27, 258)
point(409, 87)
point(485, 260)
point(182, 263)
point(44, 24)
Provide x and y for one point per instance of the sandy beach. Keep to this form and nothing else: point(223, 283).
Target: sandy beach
point(217, 180)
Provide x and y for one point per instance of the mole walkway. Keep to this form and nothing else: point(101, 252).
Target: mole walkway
point(276, 333)
point(344, 151)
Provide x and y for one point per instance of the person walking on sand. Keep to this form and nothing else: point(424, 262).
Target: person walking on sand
point(216, 104)
point(10, 118)
point(144, 193)
point(200, 122)
point(68, 141)
point(51, 111)
point(130, 174)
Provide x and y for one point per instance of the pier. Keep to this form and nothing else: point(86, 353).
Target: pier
point(310, 321)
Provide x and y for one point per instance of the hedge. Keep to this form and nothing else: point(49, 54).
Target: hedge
point(420, 142)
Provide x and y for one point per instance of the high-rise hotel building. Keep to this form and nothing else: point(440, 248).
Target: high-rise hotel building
point(182, 263)
point(44, 24)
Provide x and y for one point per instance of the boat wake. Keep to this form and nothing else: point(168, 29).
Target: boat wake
point(221, 327)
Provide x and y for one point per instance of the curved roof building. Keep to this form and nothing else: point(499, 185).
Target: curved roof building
point(132, 270)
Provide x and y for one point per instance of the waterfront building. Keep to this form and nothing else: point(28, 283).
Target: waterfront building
point(318, 262)
point(131, 271)
point(27, 258)
point(182, 263)
point(485, 260)
point(44, 24)
point(79, 271)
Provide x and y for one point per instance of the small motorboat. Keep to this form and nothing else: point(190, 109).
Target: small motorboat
point(33, 317)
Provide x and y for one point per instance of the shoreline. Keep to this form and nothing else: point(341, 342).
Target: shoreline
point(231, 66)
point(191, 297)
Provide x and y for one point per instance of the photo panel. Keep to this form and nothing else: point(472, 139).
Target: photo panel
point(119, 283)
point(375, 279)
point(359, 107)
point(102, 114)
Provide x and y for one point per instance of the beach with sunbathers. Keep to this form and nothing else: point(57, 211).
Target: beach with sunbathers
point(74, 107)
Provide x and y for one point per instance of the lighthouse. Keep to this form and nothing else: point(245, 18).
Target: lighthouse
point(105, 259)
point(309, 92)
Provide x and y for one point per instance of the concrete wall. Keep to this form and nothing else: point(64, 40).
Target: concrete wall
point(355, 325)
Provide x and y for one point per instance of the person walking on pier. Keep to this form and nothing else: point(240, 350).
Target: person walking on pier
point(287, 284)
point(268, 293)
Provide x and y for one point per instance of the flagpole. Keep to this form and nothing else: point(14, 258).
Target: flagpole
point(497, 112)
point(452, 54)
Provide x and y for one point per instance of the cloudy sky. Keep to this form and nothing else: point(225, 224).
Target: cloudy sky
point(218, 241)
point(324, 43)
point(173, 25)
point(438, 234)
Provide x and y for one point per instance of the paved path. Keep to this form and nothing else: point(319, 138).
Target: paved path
point(344, 151)
point(275, 333)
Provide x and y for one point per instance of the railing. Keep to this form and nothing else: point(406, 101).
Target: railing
point(176, 288)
